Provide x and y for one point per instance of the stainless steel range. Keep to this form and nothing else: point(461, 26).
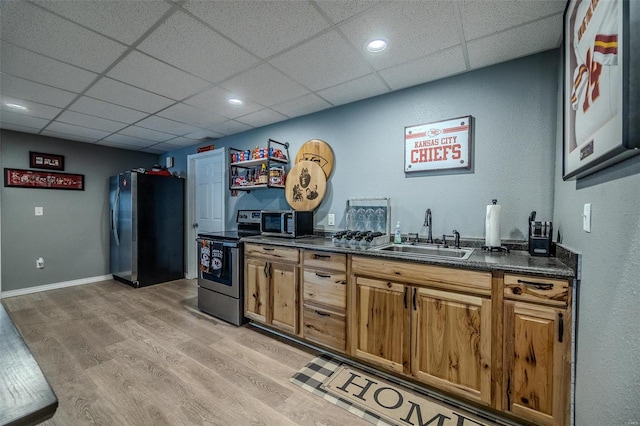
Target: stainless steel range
point(221, 268)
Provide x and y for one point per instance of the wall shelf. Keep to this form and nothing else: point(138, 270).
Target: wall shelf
point(242, 174)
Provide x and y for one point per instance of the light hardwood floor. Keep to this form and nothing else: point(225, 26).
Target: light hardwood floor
point(116, 355)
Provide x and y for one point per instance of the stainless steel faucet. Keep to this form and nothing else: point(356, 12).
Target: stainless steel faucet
point(428, 223)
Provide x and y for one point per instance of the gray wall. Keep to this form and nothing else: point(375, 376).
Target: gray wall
point(514, 156)
point(608, 349)
point(73, 234)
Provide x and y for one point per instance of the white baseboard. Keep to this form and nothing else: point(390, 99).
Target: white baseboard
point(54, 286)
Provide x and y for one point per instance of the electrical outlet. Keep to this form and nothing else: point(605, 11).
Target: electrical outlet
point(331, 219)
point(39, 211)
point(40, 263)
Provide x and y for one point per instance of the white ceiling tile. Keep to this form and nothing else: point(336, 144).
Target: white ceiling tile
point(68, 136)
point(262, 118)
point(412, 29)
point(90, 121)
point(231, 127)
point(480, 18)
point(32, 66)
point(168, 126)
point(216, 99)
point(354, 90)
point(529, 39)
point(121, 139)
point(123, 20)
point(132, 97)
point(265, 27)
point(78, 131)
point(325, 61)
point(340, 10)
point(19, 88)
point(111, 144)
point(150, 74)
point(305, 104)
point(203, 134)
point(251, 85)
point(152, 150)
point(182, 142)
point(34, 109)
point(450, 62)
point(106, 110)
point(163, 147)
point(17, 128)
point(23, 120)
point(191, 115)
point(142, 133)
point(33, 28)
point(209, 55)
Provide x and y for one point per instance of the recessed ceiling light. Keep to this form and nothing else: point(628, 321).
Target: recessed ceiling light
point(377, 45)
point(236, 101)
point(16, 106)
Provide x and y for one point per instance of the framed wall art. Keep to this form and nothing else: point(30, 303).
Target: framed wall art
point(43, 180)
point(600, 84)
point(39, 160)
point(439, 145)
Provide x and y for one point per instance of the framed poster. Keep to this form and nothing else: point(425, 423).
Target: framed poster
point(440, 145)
point(43, 180)
point(39, 160)
point(600, 90)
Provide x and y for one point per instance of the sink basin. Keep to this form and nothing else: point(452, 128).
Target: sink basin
point(426, 251)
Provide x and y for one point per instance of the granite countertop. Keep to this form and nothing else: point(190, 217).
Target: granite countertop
point(517, 261)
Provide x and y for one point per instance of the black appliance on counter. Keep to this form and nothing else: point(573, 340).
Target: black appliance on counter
point(221, 268)
point(540, 236)
point(147, 228)
point(286, 223)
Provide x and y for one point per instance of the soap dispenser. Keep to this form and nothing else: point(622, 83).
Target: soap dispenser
point(397, 239)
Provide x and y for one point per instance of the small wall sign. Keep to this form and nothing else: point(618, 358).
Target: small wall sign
point(439, 145)
point(39, 160)
point(43, 180)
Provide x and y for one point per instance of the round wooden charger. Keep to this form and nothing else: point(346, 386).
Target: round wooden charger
point(305, 186)
point(319, 152)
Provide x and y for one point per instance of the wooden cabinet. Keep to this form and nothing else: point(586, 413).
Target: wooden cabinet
point(537, 357)
point(422, 328)
point(272, 286)
point(451, 344)
point(324, 298)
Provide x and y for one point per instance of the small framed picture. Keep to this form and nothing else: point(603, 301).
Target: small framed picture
point(39, 160)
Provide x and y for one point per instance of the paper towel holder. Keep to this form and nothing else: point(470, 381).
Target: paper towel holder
point(501, 248)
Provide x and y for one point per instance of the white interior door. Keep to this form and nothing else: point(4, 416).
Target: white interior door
point(206, 199)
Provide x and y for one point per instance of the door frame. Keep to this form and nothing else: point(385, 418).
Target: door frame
point(189, 231)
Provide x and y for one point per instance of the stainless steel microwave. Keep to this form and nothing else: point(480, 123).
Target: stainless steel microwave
point(286, 223)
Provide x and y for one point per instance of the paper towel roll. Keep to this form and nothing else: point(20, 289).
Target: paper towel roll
point(492, 225)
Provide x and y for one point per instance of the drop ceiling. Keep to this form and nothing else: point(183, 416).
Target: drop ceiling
point(156, 76)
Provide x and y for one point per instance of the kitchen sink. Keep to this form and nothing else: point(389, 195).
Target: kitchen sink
point(425, 250)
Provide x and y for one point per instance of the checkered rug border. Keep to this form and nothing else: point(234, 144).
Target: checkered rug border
point(313, 375)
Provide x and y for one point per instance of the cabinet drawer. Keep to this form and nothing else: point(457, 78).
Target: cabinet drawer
point(328, 289)
point(420, 274)
point(537, 289)
point(272, 252)
point(324, 327)
point(325, 260)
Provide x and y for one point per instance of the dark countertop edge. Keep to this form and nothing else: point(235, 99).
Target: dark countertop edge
point(550, 267)
point(41, 402)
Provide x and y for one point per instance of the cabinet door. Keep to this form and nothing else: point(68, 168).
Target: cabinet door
point(256, 290)
point(537, 362)
point(284, 288)
point(451, 342)
point(383, 321)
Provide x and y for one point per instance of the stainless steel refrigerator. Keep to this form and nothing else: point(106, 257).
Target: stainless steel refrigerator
point(147, 228)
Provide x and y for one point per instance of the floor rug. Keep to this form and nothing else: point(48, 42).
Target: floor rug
point(377, 400)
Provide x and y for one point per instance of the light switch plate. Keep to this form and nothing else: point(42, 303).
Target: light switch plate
point(331, 219)
point(39, 211)
point(586, 218)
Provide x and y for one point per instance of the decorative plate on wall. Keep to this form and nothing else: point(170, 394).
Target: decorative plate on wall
point(305, 186)
point(319, 152)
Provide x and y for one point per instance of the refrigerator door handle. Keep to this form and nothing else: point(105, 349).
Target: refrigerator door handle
point(114, 216)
